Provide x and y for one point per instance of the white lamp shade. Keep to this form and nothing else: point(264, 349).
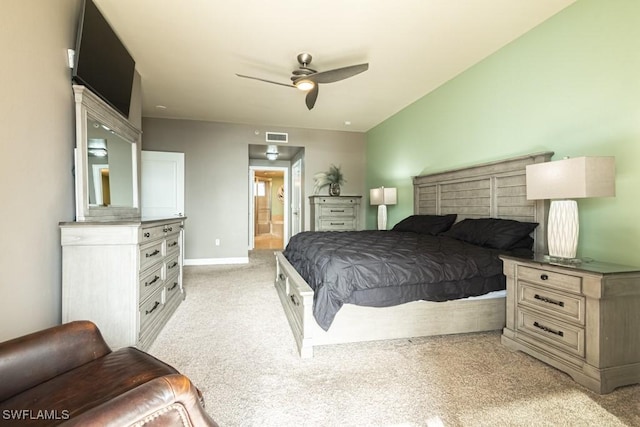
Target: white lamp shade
point(572, 178)
point(569, 179)
point(383, 196)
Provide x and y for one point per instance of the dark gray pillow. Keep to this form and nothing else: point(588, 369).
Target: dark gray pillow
point(426, 224)
point(491, 232)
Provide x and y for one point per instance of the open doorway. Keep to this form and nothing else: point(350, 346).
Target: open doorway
point(269, 187)
point(279, 212)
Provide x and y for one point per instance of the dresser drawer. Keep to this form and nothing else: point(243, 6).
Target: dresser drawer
point(151, 281)
point(152, 233)
point(550, 279)
point(337, 211)
point(150, 309)
point(338, 201)
point(173, 243)
point(150, 254)
point(172, 288)
point(568, 338)
point(566, 306)
point(172, 266)
point(337, 224)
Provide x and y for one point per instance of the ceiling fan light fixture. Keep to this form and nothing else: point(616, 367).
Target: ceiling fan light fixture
point(304, 84)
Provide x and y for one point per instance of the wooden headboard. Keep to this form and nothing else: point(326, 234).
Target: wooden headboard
point(495, 189)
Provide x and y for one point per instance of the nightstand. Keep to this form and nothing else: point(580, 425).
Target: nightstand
point(334, 213)
point(583, 319)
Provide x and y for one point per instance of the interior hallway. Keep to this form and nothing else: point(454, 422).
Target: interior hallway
point(268, 241)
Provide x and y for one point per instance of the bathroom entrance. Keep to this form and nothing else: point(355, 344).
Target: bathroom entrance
point(269, 208)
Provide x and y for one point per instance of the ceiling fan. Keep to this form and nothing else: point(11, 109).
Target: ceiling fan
point(307, 79)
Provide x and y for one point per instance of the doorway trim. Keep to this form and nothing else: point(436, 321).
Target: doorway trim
point(287, 208)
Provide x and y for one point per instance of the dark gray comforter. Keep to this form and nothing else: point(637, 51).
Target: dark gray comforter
point(384, 268)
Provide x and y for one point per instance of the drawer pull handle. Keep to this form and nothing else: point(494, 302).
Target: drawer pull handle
point(281, 276)
point(172, 244)
point(154, 253)
point(147, 234)
point(174, 286)
point(544, 277)
point(337, 223)
point(152, 308)
point(547, 329)
point(155, 279)
point(167, 229)
point(294, 300)
point(337, 210)
point(549, 300)
point(169, 267)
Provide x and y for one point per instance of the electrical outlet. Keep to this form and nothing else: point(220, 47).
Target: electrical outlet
point(217, 242)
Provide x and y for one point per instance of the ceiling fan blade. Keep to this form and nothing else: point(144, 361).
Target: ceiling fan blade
point(338, 73)
point(263, 80)
point(312, 95)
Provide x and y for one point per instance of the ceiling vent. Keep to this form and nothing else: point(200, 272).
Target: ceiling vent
point(277, 137)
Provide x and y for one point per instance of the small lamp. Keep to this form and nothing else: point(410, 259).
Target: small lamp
point(564, 180)
point(382, 197)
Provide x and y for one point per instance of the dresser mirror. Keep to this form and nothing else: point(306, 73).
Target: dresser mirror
point(107, 154)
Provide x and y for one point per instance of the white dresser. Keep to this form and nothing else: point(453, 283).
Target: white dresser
point(125, 276)
point(334, 213)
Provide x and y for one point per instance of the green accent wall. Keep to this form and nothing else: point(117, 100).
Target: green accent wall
point(570, 85)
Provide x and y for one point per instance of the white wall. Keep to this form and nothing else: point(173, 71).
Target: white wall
point(37, 142)
point(36, 161)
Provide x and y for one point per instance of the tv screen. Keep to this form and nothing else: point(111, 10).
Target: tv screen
point(102, 63)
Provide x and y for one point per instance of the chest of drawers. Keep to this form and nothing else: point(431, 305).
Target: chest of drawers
point(582, 319)
point(335, 213)
point(124, 276)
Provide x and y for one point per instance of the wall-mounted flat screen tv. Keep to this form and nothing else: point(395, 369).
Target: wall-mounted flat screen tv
point(102, 63)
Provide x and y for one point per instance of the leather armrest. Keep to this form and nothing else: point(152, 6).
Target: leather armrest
point(35, 358)
point(171, 400)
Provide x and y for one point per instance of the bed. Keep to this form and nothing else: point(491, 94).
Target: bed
point(488, 192)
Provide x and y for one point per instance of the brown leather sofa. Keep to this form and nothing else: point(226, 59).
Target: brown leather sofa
point(67, 375)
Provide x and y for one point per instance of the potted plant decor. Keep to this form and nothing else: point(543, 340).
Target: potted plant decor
point(332, 178)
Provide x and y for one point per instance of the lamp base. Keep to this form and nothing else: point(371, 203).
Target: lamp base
point(382, 217)
point(563, 228)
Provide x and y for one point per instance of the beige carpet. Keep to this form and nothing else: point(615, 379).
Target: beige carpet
point(230, 336)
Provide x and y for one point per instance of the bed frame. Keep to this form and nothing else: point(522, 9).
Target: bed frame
point(496, 189)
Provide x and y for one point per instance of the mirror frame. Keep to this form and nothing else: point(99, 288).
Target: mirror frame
point(89, 104)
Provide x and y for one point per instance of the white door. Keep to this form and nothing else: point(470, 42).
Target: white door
point(296, 197)
point(162, 184)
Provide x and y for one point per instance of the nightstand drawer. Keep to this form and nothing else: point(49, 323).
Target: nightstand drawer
point(566, 306)
point(337, 211)
point(550, 279)
point(568, 338)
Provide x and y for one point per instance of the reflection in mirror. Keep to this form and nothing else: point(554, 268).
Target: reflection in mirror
point(109, 160)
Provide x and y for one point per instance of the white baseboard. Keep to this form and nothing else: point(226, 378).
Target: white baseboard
point(216, 261)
